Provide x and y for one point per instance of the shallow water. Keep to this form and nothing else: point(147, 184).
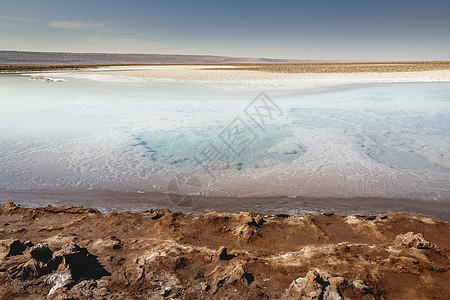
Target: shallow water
point(367, 140)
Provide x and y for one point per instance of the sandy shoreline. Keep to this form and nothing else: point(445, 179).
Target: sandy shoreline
point(236, 77)
point(120, 201)
point(274, 76)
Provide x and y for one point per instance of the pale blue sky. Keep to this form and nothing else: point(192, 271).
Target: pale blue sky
point(342, 30)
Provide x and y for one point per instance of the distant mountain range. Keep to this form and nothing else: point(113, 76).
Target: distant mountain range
point(25, 57)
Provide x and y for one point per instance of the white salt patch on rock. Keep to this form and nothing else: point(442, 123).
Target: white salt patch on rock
point(59, 280)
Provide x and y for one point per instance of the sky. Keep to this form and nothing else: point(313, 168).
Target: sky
point(316, 30)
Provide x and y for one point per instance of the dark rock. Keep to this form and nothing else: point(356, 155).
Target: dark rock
point(180, 263)
point(117, 244)
point(79, 262)
point(155, 215)
point(256, 221)
point(223, 255)
point(28, 244)
point(41, 252)
point(382, 216)
point(249, 277)
point(16, 248)
point(281, 216)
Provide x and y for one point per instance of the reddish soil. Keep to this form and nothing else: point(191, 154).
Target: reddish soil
point(72, 252)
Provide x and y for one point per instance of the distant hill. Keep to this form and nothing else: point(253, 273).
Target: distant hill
point(25, 57)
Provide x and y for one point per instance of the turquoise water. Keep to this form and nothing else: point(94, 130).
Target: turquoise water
point(384, 140)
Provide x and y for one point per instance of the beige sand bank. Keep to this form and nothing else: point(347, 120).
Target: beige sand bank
point(244, 77)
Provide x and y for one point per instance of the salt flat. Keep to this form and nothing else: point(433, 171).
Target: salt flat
point(106, 130)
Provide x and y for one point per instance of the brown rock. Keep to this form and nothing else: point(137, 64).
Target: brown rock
point(249, 226)
point(317, 284)
point(9, 207)
point(411, 240)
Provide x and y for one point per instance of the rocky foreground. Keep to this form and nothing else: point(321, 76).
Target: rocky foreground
point(77, 253)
